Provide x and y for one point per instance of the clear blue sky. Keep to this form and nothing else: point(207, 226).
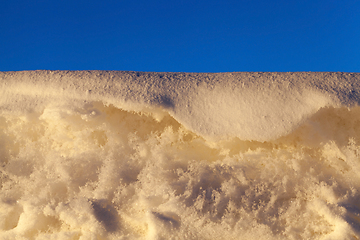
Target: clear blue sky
point(181, 35)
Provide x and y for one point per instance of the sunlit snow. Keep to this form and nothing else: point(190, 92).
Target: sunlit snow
point(132, 155)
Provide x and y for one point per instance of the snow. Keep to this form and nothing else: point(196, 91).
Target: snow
point(137, 155)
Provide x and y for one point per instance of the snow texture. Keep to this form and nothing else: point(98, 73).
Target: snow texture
point(138, 155)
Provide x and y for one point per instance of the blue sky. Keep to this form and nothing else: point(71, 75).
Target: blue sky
point(181, 35)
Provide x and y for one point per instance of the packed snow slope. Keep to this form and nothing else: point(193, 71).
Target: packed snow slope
point(138, 155)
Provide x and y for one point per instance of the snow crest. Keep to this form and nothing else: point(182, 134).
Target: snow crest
point(250, 106)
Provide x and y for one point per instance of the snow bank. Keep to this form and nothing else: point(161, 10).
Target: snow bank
point(250, 106)
point(131, 155)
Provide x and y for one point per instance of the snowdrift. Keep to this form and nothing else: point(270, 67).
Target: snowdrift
point(137, 155)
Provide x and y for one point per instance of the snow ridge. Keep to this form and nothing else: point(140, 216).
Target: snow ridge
point(248, 105)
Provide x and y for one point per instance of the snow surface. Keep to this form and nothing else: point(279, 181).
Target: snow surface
point(251, 106)
point(136, 155)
